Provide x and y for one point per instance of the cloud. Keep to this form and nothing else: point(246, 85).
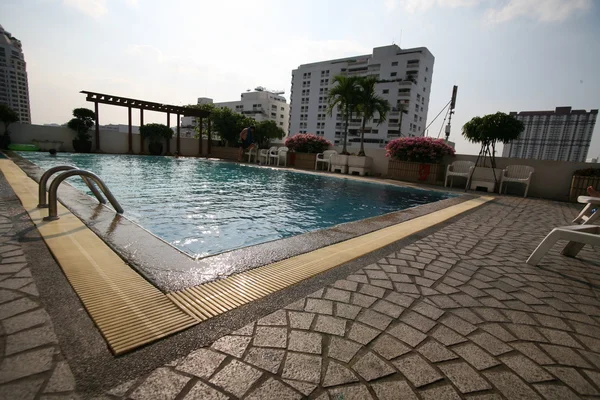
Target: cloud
point(92, 8)
point(413, 6)
point(543, 11)
point(145, 50)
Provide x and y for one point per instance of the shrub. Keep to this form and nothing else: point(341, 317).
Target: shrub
point(156, 133)
point(307, 143)
point(82, 123)
point(419, 149)
point(587, 172)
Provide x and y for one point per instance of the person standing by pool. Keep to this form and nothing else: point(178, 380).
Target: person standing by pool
point(246, 141)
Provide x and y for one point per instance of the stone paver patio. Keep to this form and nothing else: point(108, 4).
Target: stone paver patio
point(457, 314)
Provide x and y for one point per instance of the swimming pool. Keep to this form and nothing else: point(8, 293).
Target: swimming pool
point(205, 207)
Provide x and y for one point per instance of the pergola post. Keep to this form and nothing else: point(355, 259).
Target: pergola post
point(97, 128)
point(141, 137)
point(200, 139)
point(178, 134)
point(209, 137)
point(130, 131)
point(169, 140)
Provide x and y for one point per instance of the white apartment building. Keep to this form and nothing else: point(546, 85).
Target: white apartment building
point(14, 89)
point(559, 135)
point(260, 104)
point(405, 77)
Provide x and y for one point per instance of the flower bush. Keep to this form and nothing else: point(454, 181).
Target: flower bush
point(307, 143)
point(587, 172)
point(419, 149)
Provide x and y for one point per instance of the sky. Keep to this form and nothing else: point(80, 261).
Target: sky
point(504, 55)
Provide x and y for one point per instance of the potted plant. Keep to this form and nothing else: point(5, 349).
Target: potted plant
point(582, 179)
point(305, 147)
point(7, 116)
point(81, 124)
point(417, 158)
point(156, 133)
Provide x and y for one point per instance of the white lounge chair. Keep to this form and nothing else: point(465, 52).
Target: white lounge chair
point(517, 173)
point(588, 215)
point(253, 152)
point(324, 158)
point(577, 235)
point(462, 169)
point(271, 152)
point(263, 156)
point(275, 156)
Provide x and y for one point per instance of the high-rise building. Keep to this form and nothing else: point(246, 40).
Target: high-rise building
point(404, 76)
point(14, 90)
point(261, 105)
point(559, 135)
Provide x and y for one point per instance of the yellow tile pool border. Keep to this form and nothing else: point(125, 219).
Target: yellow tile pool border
point(131, 312)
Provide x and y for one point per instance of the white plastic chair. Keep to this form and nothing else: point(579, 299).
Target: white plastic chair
point(587, 215)
point(271, 153)
point(577, 235)
point(462, 169)
point(263, 156)
point(253, 152)
point(324, 158)
point(517, 173)
point(281, 152)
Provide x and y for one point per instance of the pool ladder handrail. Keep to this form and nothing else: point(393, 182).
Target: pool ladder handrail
point(88, 177)
point(44, 182)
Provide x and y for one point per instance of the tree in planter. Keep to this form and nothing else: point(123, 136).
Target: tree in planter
point(369, 104)
point(156, 133)
point(265, 132)
point(228, 124)
point(345, 96)
point(81, 124)
point(489, 130)
point(7, 116)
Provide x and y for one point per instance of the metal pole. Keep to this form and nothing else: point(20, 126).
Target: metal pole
point(130, 132)
point(44, 181)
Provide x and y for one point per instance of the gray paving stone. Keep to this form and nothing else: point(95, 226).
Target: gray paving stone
point(376, 275)
point(21, 390)
point(510, 385)
point(337, 374)
point(362, 334)
point(406, 288)
point(350, 392)
point(26, 364)
point(590, 343)
point(556, 392)
point(267, 359)
point(300, 320)
point(201, 391)
point(565, 356)
point(490, 343)
point(342, 349)
point(305, 342)
point(387, 308)
point(232, 345)
point(358, 278)
point(465, 378)
point(247, 330)
point(331, 325)
point(390, 348)
point(15, 283)
point(347, 311)
point(276, 318)
point(346, 285)
point(572, 378)
point(302, 367)
point(236, 377)
point(393, 390)
point(371, 367)
point(318, 294)
point(371, 290)
point(15, 307)
point(525, 332)
point(445, 392)
point(202, 363)
point(11, 268)
point(337, 295)
point(273, 389)
point(30, 339)
point(363, 300)
point(525, 368)
point(559, 337)
point(475, 356)
point(30, 289)
point(62, 379)
point(296, 306)
point(418, 321)
point(447, 336)
point(319, 306)
point(123, 388)
point(498, 331)
point(435, 352)
point(400, 299)
point(594, 376)
point(374, 319)
point(457, 324)
point(303, 387)
point(400, 278)
point(161, 384)
point(417, 370)
point(428, 310)
point(407, 334)
point(270, 337)
point(594, 358)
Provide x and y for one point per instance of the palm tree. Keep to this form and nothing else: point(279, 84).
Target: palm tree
point(370, 104)
point(344, 95)
point(403, 110)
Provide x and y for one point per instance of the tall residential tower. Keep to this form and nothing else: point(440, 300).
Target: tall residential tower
point(14, 90)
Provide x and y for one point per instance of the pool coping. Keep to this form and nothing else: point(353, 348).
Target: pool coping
point(170, 269)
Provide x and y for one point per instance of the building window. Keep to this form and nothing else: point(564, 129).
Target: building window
point(281, 123)
point(425, 79)
point(424, 88)
point(386, 91)
point(393, 74)
point(426, 69)
point(395, 64)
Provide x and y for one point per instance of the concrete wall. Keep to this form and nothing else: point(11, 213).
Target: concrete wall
point(551, 180)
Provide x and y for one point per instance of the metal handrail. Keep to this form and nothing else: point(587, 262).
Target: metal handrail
point(44, 181)
point(52, 197)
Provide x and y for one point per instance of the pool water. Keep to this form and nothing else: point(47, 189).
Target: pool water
point(205, 207)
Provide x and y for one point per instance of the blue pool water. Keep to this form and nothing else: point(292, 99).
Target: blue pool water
point(206, 207)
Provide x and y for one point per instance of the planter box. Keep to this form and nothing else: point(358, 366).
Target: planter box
point(304, 160)
point(339, 162)
point(414, 171)
point(225, 153)
point(484, 177)
point(579, 185)
point(362, 165)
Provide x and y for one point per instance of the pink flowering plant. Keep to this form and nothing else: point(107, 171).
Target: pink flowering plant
point(419, 149)
point(307, 143)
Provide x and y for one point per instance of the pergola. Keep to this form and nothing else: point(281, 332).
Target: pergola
point(142, 105)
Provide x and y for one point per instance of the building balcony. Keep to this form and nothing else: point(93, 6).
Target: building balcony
point(394, 125)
